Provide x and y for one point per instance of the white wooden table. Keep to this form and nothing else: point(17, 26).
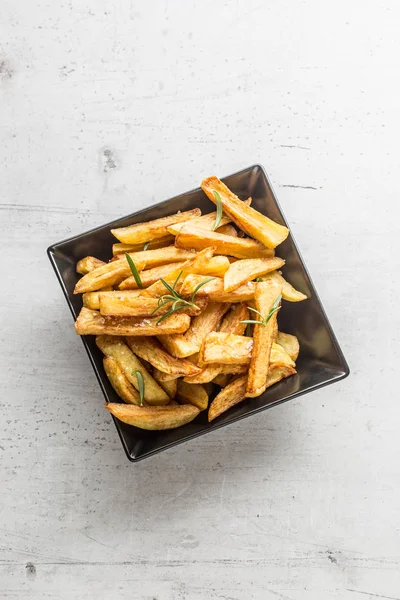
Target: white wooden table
point(107, 107)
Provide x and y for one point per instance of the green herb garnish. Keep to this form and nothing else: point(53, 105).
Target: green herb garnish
point(264, 320)
point(134, 270)
point(175, 299)
point(218, 204)
point(146, 245)
point(140, 381)
point(259, 279)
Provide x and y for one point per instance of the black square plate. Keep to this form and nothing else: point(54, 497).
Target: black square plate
point(321, 360)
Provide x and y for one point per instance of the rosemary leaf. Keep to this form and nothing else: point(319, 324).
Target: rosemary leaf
point(140, 381)
point(134, 270)
point(218, 204)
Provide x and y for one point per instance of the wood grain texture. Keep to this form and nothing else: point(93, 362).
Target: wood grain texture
point(110, 107)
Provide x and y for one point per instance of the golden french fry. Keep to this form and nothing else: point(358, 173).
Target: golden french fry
point(194, 237)
point(279, 357)
point(141, 233)
point(87, 264)
point(222, 379)
point(266, 295)
point(252, 222)
point(113, 304)
point(228, 230)
point(190, 266)
point(288, 291)
point(232, 322)
point(120, 383)
point(150, 349)
point(169, 386)
point(207, 321)
point(192, 280)
point(205, 221)
point(229, 396)
point(196, 395)
point(225, 348)
point(290, 343)
point(118, 249)
point(91, 322)
point(160, 256)
point(215, 289)
point(246, 270)
point(119, 351)
point(177, 345)
point(153, 417)
point(210, 372)
point(216, 266)
point(108, 274)
point(91, 299)
point(150, 276)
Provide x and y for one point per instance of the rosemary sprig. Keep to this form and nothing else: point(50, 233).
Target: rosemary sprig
point(218, 204)
point(259, 279)
point(264, 320)
point(140, 381)
point(146, 245)
point(134, 270)
point(175, 299)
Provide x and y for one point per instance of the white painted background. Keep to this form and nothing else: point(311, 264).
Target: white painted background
point(107, 107)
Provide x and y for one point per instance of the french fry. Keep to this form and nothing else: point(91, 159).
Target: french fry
point(210, 372)
point(149, 276)
point(153, 417)
point(279, 357)
point(115, 304)
point(90, 322)
point(290, 343)
point(228, 230)
point(225, 348)
point(288, 291)
point(192, 280)
point(192, 394)
point(118, 249)
point(120, 383)
point(117, 349)
point(177, 345)
point(216, 266)
point(222, 379)
point(215, 289)
point(141, 233)
point(252, 222)
point(207, 321)
point(246, 270)
point(150, 349)
point(192, 237)
point(205, 221)
point(160, 256)
point(169, 386)
point(87, 264)
point(265, 295)
point(91, 299)
point(190, 266)
point(109, 274)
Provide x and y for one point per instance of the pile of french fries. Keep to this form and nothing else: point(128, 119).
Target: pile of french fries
point(188, 306)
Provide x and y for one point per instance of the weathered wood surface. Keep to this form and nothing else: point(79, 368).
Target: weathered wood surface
point(108, 107)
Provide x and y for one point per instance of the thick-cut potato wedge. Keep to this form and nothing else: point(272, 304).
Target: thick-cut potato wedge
point(169, 386)
point(153, 417)
point(242, 271)
point(191, 236)
point(117, 349)
point(222, 379)
point(192, 394)
point(141, 233)
point(279, 357)
point(265, 295)
point(288, 291)
point(149, 276)
point(232, 322)
point(91, 299)
point(160, 256)
point(138, 306)
point(87, 264)
point(228, 230)
point(255, 224)
point(210, 372)
point(215, 289)
point(290, 343)
point(229, 396)
point(216, 266)
point(205, 221)
point(207, 321)
point(177, 345)
point(118, 249)
point(120, 383)
point(150, 349)
point(90, 322)
point(226, 349)
point(192, 280)
point(192, 265)
point(109, 274)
